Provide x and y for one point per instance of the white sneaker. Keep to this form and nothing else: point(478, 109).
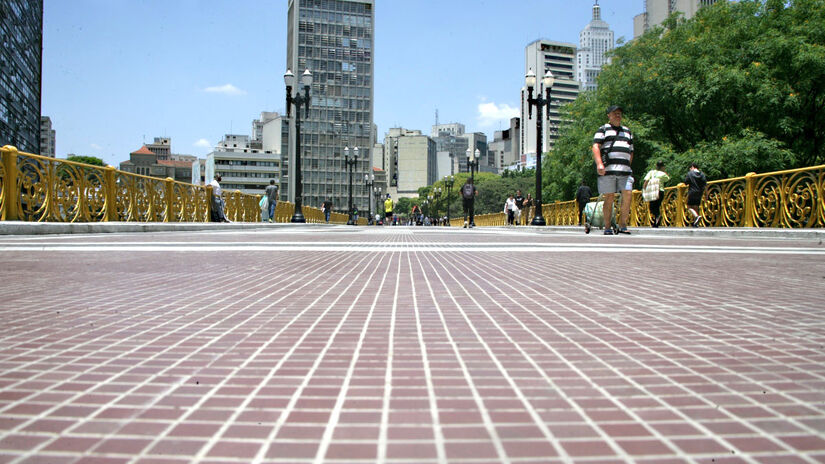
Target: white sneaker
point(465, 224)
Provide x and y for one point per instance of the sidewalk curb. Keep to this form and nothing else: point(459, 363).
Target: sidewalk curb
point(63, 228)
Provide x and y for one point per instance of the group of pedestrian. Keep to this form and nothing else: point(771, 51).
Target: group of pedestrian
point(517, 207)
point(613, 154)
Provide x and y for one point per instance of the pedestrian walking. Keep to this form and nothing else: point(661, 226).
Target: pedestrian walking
point(519, 198)
point(272, 197)
point(583, 194)
point(326, 207)
point(510, 209)
point(468, 197)
point(613, 154)
point(218, 203)
point(653, 192)
point(527, 209)
point(388, 207)
point(696, 182)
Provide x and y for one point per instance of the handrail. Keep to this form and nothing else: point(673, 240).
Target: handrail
point(792, 198)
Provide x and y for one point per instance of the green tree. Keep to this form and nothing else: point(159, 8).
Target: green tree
point(93, 160)
point(738, 88)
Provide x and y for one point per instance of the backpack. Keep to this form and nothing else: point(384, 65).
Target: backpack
point(467, 191)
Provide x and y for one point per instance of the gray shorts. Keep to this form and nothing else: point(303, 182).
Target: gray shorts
point(611, 183)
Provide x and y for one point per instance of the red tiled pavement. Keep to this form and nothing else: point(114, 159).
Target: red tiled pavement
point(397, 345)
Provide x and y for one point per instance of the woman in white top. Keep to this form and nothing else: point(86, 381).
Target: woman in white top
point(510, 210)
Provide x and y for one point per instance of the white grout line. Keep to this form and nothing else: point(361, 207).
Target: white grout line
point(595, 294)
point(479, 401)
point(438, 432)
point(335, 416)
point(360, 269)
point(116, 398)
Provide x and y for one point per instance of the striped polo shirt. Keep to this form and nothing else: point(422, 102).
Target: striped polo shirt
point(617, 147)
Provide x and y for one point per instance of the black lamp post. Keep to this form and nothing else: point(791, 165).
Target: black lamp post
point(448, 182)
point(299, 101)
point(350, 162)
point(540, 102)
point(378, 191)
point(369, 181)
point(472, 161)
point(437, 195)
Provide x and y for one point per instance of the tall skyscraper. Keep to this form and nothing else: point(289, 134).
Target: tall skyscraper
point(656, 11)
point(21, 57)
point(595, 40)
point(559, 58)
point(48, 137)
point(333, 39)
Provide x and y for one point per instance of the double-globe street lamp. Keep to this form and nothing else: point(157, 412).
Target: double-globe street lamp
point(448, 182)
point(369, 181)
point(298, 100)
point(472, 161)
point(350, 162)
point(378, 192)
point(542, 100)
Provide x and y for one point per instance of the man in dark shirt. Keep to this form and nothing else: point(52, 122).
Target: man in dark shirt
point(327, 206)
point(272, 197)
point(583, 195)
point(519, 198)
point(696, 182)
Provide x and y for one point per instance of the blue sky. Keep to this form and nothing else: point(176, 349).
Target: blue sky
point(117, 73)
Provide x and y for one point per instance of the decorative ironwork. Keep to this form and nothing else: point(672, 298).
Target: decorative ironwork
point(39, 188)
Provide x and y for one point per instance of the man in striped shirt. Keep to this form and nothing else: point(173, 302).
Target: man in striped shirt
point(613, 153)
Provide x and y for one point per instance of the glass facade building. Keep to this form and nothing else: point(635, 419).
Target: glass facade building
point(334, 40)
point(21, 29)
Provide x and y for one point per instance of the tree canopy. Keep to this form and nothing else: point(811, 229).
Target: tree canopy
point(738, 88)
point(93, 160)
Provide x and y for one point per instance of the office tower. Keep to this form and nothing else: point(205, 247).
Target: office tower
point(48, 137)
point(559, 58)
point(595, 40)
point(333, 39)
point(242, 167)
point(656, 11)
point(21, 57)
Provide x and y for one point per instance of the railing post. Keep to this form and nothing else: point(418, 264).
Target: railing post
point(110, 194)
point(10, 192)
point(750, 201)
point(634, 214)
point(169, 186)
point(681, 200)
point(208, 203)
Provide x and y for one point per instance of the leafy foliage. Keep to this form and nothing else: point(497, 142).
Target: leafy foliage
point(93, 160)
point(738, 88)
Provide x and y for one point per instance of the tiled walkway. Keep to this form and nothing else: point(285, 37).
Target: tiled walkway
point(396, 345)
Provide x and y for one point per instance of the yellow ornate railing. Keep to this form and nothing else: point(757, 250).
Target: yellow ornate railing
point(785, 199)
point(42, 189)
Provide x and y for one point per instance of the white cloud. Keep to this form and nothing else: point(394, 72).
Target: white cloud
point(97, 147)
point(490, 113)
point(226, 89)
point(203, 143)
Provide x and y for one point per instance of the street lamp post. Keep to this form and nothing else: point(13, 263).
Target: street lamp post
point(298, 100)
point(350, 162)
point(437, 195)
point(448, 182)
point(540, 102)
point(378, 193)
point(472, 161)
point(369, 181)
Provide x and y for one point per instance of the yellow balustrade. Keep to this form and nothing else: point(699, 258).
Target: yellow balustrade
point(42, 189)
point(785, 199)
point(39, 188)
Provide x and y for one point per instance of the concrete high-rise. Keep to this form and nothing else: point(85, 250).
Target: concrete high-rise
point(21, 58)
point(656, 11)
point(595, 40)
point(334, 40)
point(560, 59)
point(48, 137)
